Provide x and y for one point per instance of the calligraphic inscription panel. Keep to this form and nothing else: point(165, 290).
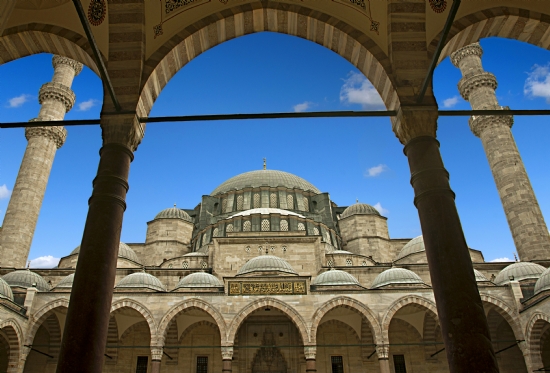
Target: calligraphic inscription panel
point(267, 288)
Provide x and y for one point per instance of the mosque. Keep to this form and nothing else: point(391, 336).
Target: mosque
point(266, 271)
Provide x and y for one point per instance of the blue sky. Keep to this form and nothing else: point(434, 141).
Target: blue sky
point(358, 158)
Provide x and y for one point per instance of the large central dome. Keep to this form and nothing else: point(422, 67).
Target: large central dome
point(269, 178)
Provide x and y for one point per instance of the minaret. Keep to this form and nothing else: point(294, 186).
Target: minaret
point(516, 193)
point(56, 99)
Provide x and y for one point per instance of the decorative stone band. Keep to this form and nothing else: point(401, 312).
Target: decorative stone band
point(227, 353)
point(57, 134)
point(59, 92)
point(156, 353)
point(310, 352)
point(383, 352)
point(469, 50)
point(467, 85)
point(480, 123)
point(77, 66)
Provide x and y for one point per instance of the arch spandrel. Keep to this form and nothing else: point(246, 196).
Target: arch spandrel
point(334, 34)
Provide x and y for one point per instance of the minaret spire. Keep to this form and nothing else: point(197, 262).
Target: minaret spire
point(264, 164)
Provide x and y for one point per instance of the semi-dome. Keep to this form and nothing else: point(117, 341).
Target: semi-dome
point(479, 276)
point(140, 280)
point(416, 245)
point(5, 290)
point(266, 263)
point(519, 271)
point(396, 276)
point(269, 178)
point(359, 209)
point(26, 279)
point(66, 282)
point(199, 280)
point(174, 213)
point(124, 251)
point(335, 277)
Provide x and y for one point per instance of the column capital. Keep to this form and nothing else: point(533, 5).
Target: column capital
point(124, 129)
point(58, 92)
point(468, 84)
point(310, 352)
point(156, 353)
point(383, 351)
point(61, 60)
point(227, 352)
point(481, 123)
point(57, 134)
point(469, 50)
point(415, 121)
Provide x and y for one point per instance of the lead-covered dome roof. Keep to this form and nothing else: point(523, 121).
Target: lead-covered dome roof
point(480, 277)
point(5, 290)
point(269, 178)
point(519, 271)
point(66, 282)
point(543, 283)
point(199, 280)
point(174, 213)
point(396, 276)
point(416, 245)
point(140, 280)
point(124, 251)
point(335, 277)
point(266, 263)
point(26, 279)
point(359, 209)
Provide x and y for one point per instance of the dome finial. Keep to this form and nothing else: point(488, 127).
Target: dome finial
point(174, 205)
point(357, 200)
point(265, 167)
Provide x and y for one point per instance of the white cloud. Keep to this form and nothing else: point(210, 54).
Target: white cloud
point(47, 261)
point(358, 90)
point(450, 102)
point(537, 83)
point(380, 209)
point(87, 105)
point(503, 259)
point(376, 170)
point(4, 191)
point(18, 101)
point(302, 107)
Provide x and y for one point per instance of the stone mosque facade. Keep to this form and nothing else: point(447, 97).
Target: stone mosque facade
point(267, 273)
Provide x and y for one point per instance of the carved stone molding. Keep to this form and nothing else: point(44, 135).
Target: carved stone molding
point(227, 352)
point(468, 84)
point(469, 50)
point(156, 353)
point(383, 351)
point(57, 60)
point(124, 129)
point(57, 134)
point(59, 92)
point(415, 121)
point(481, 123)
point(310, 352)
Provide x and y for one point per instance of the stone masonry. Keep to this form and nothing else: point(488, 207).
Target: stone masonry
point(516, 193)
point(56, 98)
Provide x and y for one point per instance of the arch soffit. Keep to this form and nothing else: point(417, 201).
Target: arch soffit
point(532, 331)
point(347, 303)
point(342, 325)
point(188, 304)
point(332, 33)
point(140, 308)
point(403, 302)
point(17, 332)
point(33, 38)
point(42, 314)
point(506, 312)
point(197, 325)
point(502, 21)
point(292, 314)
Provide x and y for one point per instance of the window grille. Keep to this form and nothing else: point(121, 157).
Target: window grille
point(284, 249)
point(364, 264)
point(185, 264)
point(290, 201)
point(202, 364)
point(247, 226)
point(306, 204)
point(240, 202)
point(337, 364)
point(399, 364)
point(273, 200)
point(141, 366)
point(257, 200)
point(260, 249)
point(229, 228)
point(315, 231)
point(330, 263)
point(247, 249)
point(349, 262)
point(216, 232)
point(170, 265)
point(284, 225)
point(224, 205)
point(301, 227)
point(265, 225)
point(204, 265)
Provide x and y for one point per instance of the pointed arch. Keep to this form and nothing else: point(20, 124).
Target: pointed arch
point(292, 314)
point(13, 331)
point(141, 309)
point(40, 316)
point(533, 334)
point(296, 20)
point(507, 312)
point(350, 303)
point(402, 302)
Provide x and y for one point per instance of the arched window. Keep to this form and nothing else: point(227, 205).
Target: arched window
point(239, 202)
point(224, 205)
point(229, 228)
point(290, 201)
point(247, 226)
point(306, 204)
point(266, 225)
point(301, 227)
point(185, 264)
point(349, 263)
point(284, 225)
point(216, 232)
point(315, 231)
point(273, 200)
point(327, 237)
point(203, 242)
point(257, 200)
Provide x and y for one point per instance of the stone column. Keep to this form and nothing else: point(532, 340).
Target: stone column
point(87, 321)
point(463, 323)
point(56, 98)
point(227, 359)
point(310, 353)
point(156, 359)
point(383, 353)
point(516, 193)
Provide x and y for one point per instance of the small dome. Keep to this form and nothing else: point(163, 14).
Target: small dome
point(5, 290)
point(359, 209)
point(520, 271)
point(174, 213)
point(199, 280)
point(395, 276)
point(416, 245)
point(25, 279)
point(543, 283)
point(140, 280)
point(335, 277)
point(66, 282)
point(266, 263)
point(479, 276)
point(124, 251)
